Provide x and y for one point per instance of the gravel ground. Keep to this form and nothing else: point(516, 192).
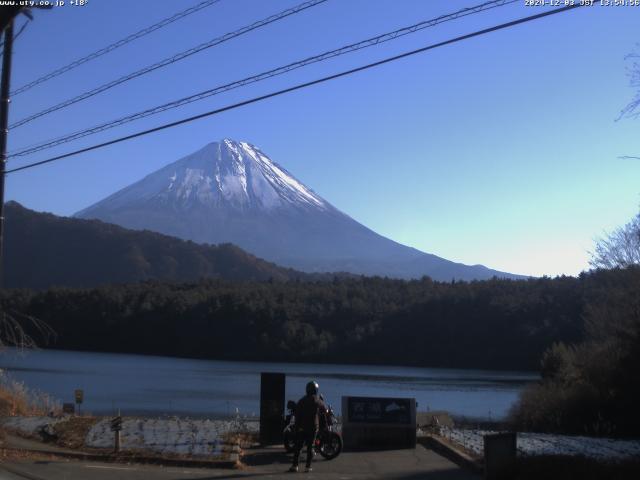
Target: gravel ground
point(532, 444)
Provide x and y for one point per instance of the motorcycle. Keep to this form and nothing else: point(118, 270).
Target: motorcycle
point(327, 443)
point(289, 433)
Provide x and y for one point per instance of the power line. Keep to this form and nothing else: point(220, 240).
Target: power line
point(300, 86)
point(24, 25)
point(262, 76)
point(115, 45)
point(170, 60)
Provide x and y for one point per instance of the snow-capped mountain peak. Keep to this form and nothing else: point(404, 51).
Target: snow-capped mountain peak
point(230, 191)
point(227, 173)
point(236, 173)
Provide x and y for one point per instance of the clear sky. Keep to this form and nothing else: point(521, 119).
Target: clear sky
point(501, 150)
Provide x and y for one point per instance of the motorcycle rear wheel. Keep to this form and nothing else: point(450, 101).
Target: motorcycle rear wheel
point(330, 445)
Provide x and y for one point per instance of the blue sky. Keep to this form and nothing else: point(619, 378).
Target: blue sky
point(501, 150)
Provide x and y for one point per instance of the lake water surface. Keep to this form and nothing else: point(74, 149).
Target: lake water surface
point(149, 385)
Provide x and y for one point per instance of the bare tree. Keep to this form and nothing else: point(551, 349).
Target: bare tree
point(632, 110)
point(18, 329)
point(621, 248)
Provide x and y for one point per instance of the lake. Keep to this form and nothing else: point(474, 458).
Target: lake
point(151, 385)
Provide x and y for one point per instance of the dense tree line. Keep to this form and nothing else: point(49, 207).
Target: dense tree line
point(504, 324)
point(593, 386)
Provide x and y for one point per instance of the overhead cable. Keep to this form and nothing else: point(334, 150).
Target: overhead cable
point(299, 86)
point(169, 61)
point(109, 48)
point(259, 77)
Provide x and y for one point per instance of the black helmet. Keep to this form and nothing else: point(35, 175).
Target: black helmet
point(312, 388)
point(291, 405)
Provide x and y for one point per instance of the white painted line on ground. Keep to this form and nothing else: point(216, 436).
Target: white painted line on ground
point(104, 467)
point(107, 467)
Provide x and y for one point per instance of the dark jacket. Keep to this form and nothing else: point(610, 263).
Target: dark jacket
point(308, 410)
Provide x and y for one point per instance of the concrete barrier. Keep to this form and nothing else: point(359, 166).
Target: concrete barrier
point(378, 423)
point(500, 456)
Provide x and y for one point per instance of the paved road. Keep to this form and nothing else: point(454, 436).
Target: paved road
point(272, 463)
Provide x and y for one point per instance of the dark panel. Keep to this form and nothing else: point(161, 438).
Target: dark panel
point(271, 407)
point(378, 423)
point(500, 456)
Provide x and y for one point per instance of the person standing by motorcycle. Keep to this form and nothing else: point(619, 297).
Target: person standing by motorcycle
point(308, 412)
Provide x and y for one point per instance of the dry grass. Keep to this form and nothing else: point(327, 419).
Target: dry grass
point(244, 439)
point(10, 405)
point(12, 455)
point(17, 399)
point(73, 432)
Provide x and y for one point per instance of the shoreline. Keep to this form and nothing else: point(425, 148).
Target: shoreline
point(262, 361)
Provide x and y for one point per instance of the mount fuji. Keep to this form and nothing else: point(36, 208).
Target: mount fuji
point(231, 191)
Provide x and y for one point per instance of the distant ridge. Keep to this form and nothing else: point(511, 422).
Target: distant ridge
point(230, 191)
point(43, 250)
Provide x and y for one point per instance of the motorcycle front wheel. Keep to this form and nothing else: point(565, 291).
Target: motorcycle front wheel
point(330, 445)
point(289, 441)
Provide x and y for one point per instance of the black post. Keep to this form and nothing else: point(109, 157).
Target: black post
point(500, 456)
point(4, 130)
point(117, 432)
point(271, 407)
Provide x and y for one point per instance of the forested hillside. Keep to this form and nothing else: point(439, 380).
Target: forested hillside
point(44, 250)
point(504, 324)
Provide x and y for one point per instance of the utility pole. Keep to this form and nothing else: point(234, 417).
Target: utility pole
point(4, 128)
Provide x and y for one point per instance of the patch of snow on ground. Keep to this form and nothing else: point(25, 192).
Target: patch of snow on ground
point(30, 425)
point(530, 444)
point(196, 437)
